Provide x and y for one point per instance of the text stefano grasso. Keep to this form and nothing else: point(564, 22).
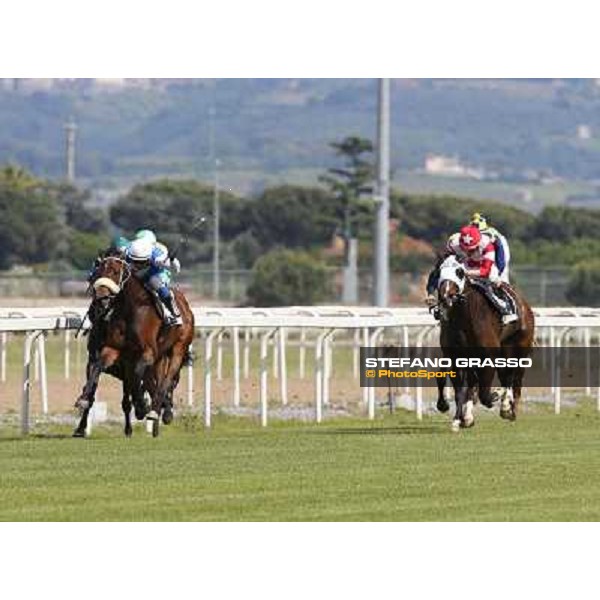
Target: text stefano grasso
point(500, 362)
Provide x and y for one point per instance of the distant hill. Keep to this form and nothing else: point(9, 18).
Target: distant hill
point(271, 129)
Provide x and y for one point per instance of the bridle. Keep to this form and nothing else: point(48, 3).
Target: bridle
point(114, 287)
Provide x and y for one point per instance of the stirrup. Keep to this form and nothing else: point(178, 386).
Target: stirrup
point(171, 321)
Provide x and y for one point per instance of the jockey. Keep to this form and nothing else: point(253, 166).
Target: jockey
point(477, 253)
point(500, 244)
point(151, 263)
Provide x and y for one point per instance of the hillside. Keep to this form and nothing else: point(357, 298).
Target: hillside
point(269, 130)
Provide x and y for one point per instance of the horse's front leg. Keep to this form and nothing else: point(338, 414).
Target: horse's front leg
point(126, 406)
point(442, 403)
point(460, 395)
point(485, 379)
point(86, 398)
point(83, 423)
point(106, 359)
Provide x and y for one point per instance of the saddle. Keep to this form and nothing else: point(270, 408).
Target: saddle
point(501, 297)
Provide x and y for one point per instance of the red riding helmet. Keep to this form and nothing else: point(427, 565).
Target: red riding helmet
point(470, 236)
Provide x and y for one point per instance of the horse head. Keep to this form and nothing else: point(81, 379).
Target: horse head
point(451, 283)
point(110, 274)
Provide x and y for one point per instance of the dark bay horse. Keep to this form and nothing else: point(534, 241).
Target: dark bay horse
point(150, 354)
point(470, 322)
point(100, 312)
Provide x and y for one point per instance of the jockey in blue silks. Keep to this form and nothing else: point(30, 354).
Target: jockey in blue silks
point(152, 264)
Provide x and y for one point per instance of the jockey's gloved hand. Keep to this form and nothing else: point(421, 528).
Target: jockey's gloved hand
point(430, 300)
point(176, 265)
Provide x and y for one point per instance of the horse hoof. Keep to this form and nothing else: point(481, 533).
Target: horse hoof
point(167, 417)
point(467, 423)
point(152, 416)
point(507, 413)
point(78, 434)
point(128, 432)
point(455, 426)
point(155, 428)
point(443, 406)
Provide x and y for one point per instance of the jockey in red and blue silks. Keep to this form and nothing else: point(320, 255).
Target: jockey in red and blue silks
point(476, 251)
point(151, 263)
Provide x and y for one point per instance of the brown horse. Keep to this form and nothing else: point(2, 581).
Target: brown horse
point(99, 314)
point(469, 321)
point(151, 354)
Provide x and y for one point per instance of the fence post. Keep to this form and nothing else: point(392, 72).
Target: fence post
point(281, 339)
point(235, 332)
point(208, 351)
point(41, 346)
point(29, 338)
point(67, 354)
point(4, 343)
point(264, 352)
point(190, 376)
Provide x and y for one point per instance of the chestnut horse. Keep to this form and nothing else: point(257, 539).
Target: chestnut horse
point(470, 321)
point(150, 355)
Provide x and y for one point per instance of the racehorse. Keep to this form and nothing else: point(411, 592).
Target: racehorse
point(469, 321)
point(99, 314)
point(148, 354)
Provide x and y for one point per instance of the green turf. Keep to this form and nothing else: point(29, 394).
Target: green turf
point(542, 468)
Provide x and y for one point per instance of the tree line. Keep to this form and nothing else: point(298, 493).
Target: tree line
point(53, 226)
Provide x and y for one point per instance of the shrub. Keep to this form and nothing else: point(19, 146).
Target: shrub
point(285, 277)
point(584, 286)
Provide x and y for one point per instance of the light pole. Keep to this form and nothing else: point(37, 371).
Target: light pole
point(216, 206)
point(381, 267)
point(217, 237)
point(70, 130)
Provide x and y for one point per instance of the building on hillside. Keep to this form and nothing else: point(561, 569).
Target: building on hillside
point(584, 132)
point(450, 166)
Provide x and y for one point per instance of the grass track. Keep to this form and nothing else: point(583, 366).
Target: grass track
point(542, 468)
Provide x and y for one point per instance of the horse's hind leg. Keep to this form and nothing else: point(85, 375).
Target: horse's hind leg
point(518, 375)
point(506, 376)
point(442, 404)
point(167, 381)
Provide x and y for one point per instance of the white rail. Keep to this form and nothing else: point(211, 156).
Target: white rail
point(556, 325)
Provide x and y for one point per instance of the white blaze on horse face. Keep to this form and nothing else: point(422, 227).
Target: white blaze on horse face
point(448, 273)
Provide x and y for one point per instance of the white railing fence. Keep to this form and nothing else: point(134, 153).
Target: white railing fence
point(311, 327)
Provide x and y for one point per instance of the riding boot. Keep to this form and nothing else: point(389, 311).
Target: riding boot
point(174, 318)
point(506, 306)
